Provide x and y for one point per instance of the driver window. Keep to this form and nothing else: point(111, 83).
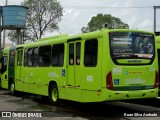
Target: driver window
point(4, 64)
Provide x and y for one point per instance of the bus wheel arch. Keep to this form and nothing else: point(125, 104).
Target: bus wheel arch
point(53, 93)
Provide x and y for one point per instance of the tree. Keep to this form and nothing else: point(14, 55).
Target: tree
point(43, 16)
point(106, 20)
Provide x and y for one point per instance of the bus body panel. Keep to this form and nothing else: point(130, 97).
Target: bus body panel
point(109, 95)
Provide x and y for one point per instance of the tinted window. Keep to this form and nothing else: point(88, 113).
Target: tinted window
point(19, 57)
point(25, 57)
point(45, 56)
point(4, 64)
point(30, 57)
point(127, 44)
point(58, 55)
point(71, 53)
point(90, 54)
point(5, 61)
point(35, 56)
point(12, 58)
point(78, 51)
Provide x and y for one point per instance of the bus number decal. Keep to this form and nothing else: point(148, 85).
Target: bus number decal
point(137, 80)
point(152, 69)
point(117, 71)
point(31, 75)
point(90, 78)
point(53, 74)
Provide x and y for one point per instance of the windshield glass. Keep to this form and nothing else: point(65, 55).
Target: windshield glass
point(131, 44)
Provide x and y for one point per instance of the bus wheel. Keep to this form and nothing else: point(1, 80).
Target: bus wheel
point(54, 95)
point(12, 88)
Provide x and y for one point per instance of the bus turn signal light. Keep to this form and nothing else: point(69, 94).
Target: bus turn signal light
point(156, 82)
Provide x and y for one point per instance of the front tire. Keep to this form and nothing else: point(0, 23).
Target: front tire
point(54, 94)
point(12, 88)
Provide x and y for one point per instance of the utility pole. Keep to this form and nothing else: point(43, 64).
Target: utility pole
point(4, 31)
point(6, 2)
point(155, 7)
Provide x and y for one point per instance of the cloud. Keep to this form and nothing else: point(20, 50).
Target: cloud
point(77, 13)
point(11, 2)
point(138, 18)
point(69, 11)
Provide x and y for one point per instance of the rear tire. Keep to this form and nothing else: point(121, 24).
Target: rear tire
point(54, 94)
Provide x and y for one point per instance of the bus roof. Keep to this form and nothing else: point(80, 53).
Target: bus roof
point(53, 37)
point(62, 38)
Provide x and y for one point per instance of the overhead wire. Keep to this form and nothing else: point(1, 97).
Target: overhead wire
point(106, 7)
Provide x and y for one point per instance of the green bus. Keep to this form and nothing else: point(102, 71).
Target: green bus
point(105, 65)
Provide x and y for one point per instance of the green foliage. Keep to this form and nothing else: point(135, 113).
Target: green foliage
point(12, 36)
point(99, 21)
point(43, 16)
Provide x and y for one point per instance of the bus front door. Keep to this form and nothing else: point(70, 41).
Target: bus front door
point(71, 66)
point(74, 49)
point(73, 91)
point(19, 82)
point(4, 72)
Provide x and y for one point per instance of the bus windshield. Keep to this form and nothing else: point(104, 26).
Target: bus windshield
point(132, 45)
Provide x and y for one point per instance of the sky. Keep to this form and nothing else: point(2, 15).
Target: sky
point(138, 14)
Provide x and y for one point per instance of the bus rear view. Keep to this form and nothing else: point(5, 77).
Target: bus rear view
point(133, 65)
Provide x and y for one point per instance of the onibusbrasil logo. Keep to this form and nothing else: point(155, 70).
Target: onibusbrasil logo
point(21, 114)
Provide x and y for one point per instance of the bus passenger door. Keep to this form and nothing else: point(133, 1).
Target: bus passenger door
point(74, 49)
point(19, 64)
point(71, 66)
point(4, 72)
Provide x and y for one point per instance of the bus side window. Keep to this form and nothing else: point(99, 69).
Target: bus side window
point(71, 54)
point(90, 54)
point(58, 55)
point(4, 64)
point(61, 55)
point(78, 52)
point(19, 58)
point(12, 58)
point(35, 57)
point(25, 57)
point(30, 57)
point(45, 55)
point(4, 61)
